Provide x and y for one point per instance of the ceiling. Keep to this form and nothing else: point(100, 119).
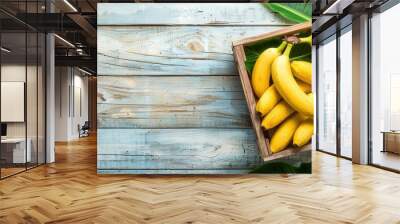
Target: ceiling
point(329, 16)
point(74, 22)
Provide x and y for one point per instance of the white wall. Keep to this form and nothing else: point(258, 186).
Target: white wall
point(16, 73)
point(80, 108)
point(62, 81)
point(33, 127)
point(12, 73)
point(70, 84)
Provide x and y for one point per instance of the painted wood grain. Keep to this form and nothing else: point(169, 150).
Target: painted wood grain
point(177, 149)
point(169, 95)
point(302, 156)
point(173, 162)
point(174, 172)
point(286, 31)
point(182, 50)
point(171, 102)
point(186, 14)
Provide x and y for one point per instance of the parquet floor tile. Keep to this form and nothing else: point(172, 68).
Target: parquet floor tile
point(70, 191)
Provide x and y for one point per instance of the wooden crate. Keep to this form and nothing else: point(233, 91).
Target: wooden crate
point(240, 58)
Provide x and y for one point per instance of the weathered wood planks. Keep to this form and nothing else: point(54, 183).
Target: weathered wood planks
point(160, 50)
point(221, 14)
point(171, 149)
point(171, 102)
point(173, 172)
point(169, 95)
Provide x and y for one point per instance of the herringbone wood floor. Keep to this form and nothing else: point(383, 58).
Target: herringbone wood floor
point(70, 191)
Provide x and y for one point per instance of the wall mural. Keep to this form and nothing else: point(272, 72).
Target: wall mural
point(204, 88)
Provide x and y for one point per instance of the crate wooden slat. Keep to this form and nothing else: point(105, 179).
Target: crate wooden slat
point(240, 58)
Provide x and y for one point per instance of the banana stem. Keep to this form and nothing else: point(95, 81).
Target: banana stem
point(282, 46)
point(306, 40)
point(288, 50)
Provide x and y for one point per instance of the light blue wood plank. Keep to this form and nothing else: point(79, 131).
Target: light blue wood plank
point(189, 46)
point(177, 149)
point(186, 14)
point(167, 162)
point(171, 102)
point(182, 50)
point(174, 172)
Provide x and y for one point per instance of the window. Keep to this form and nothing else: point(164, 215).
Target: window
point(346, 92)
point(327, 96)
point(385, 89)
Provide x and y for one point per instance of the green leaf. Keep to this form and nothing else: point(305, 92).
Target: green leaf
point(283, 167)
point(252, 52)
point(294, 12)
point(299, 52)
point(304, 57)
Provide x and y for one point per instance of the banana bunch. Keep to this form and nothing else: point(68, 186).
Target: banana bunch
point(261, 74)
point(287, 104)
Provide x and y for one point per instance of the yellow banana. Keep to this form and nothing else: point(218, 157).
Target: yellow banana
point(304, 86)
point(261, 74)
point(307, 40)
point(303, 133)
point(268, 100)
point(287, 87)
point(284, 134)
point(278, 114)
point(271, 97)
point(302, 70)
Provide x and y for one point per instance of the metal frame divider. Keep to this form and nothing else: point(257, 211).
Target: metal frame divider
point(338, 100)
point(0, 92)
point(369, 77)
point(26, 87)
point(316, 97)
point(37, 91)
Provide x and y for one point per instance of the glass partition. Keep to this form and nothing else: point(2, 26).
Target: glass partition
point(22, 77)
point(327, 96)
point(13, 93)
